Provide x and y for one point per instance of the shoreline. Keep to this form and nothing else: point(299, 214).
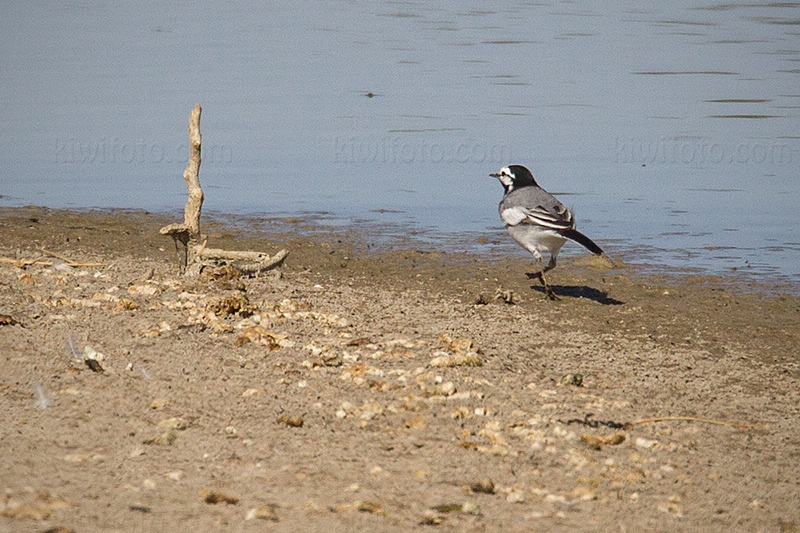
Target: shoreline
point(363, 237)
point(386, 390)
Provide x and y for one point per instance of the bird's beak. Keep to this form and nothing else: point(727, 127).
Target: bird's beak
point(495, 174)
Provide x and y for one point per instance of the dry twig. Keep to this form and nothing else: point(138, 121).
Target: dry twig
point(22, 263)
point(190, 245)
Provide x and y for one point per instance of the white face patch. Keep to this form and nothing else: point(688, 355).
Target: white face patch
point(506, 177)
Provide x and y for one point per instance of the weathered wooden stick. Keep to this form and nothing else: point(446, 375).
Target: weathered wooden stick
point(190, 245)
point(191, 213)
point(250, 269)
point(235, 255)
point(264, 260)
point(189, 231)
point(22, 263)
point(53, 254)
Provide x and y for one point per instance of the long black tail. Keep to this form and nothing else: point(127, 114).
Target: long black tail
point(581, 239)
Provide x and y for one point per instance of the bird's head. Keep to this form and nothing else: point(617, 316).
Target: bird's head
point(514, 176)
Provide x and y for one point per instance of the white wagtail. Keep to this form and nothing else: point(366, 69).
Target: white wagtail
point(536, 220)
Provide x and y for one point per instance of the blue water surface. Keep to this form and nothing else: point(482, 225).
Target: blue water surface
point(671, 129)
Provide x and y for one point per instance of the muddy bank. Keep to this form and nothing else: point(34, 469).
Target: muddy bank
point(384, 390)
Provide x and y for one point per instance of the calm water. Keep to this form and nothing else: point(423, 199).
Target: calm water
point(673, 131)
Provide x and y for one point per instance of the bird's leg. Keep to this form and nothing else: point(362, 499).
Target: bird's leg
point(551, 265)
point(547, 288)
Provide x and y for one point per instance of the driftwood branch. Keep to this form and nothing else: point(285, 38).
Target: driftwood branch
point(23, 263)
point(191, 213)
point(188, 233)
point(190, 245)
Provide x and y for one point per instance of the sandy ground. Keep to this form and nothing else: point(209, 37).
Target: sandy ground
point(385, 391)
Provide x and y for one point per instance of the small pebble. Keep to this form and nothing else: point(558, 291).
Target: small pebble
point(293, 421)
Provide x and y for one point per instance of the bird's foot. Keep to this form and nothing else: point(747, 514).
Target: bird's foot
point(550, 294)
point(548, 290)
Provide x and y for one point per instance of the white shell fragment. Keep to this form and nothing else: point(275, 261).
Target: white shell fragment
point(90, 354)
